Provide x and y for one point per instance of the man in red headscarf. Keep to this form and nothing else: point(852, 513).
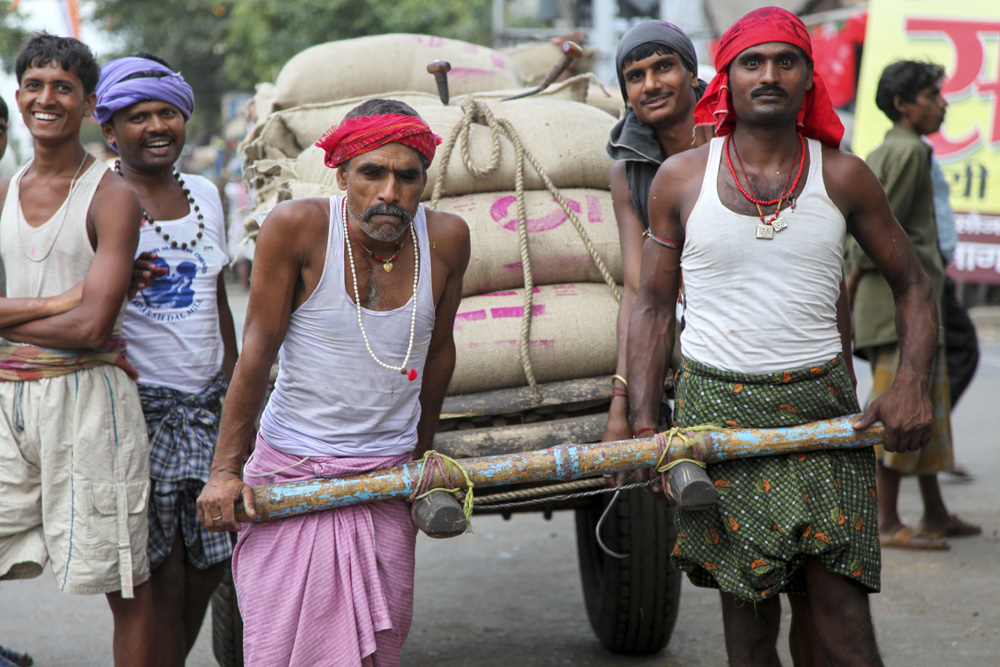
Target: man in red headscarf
point(360, 293)
point(760, 216)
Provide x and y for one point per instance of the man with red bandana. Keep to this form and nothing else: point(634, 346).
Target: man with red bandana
point(360, 294)
point(759, 218)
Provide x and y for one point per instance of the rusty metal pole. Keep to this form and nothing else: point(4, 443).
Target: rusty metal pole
point(559, 463)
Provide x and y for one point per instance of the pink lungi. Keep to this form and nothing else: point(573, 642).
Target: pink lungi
point(329, 588)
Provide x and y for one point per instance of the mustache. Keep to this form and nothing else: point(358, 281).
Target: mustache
point(149, 138)
point(769, 90)
point(387, 209)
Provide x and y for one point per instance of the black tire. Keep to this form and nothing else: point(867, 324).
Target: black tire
point(227, 624)
point(632, 602)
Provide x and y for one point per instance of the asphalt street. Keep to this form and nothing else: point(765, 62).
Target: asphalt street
point(509, 594)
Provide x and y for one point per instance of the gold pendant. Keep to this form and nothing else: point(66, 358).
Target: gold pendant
point(779, 224)
point(387, 266)
point(765, 232)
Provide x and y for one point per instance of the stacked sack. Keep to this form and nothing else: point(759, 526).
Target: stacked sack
point(531, 178)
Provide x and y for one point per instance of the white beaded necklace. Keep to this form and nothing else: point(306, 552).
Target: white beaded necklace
point(357, 299)
point(62, 220)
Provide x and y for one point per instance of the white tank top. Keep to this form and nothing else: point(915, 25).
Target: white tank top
point(761, 306)
point(172, 326)
point(331, 398)
point(49, 259)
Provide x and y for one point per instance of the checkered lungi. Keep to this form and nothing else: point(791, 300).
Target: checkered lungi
point(183, 429)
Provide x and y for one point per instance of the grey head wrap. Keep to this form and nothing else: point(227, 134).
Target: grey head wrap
point(632, 141)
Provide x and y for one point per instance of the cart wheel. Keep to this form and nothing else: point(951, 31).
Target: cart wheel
point(227, 624)
point(632, 602)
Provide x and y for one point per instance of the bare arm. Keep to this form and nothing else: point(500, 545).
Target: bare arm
point(114, 217)
point(653, 320)
point(16, 311)
point(282, 251)
point(630, 230)
point(844, 328)
point(227, 329)
point(905, 408)
point(451, 236)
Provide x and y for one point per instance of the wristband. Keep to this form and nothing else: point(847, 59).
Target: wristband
point(619, 392)
point(620, 379)
point(643, 430)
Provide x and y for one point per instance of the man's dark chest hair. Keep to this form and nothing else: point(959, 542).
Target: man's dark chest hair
point(764, 188)
point(379, 289)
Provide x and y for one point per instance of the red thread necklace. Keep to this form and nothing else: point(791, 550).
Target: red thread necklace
point(767, 229)
point(386, 263)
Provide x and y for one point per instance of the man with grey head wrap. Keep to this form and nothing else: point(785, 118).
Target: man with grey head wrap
point(657, 73)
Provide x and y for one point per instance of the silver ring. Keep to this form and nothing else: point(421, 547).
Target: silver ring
point(216, 518)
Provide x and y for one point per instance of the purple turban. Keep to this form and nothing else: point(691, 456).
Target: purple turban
point(126, 81)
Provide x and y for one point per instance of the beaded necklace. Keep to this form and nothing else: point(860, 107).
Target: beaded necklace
point(159, 230)
point(386, 263)
point(412, 374)
point(767, 228)
point(62, 220)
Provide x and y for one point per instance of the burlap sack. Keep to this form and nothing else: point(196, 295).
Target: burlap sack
point(537, 58)
point(285, 134)
point(606, 99)
point(572, 336)
point(566, 138)
point(557, 251)
point(373, 65)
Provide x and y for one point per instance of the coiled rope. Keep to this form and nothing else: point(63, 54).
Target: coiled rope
point(478, 112)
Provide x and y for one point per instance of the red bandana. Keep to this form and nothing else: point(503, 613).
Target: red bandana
point(355, 136)
point(769, 24)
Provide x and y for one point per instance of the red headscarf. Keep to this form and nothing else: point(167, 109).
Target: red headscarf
point(355, 136)
point(768, 24)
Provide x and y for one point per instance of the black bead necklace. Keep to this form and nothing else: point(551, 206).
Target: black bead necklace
point(159, 230)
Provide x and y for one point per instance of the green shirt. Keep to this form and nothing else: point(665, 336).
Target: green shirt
point(903, 165)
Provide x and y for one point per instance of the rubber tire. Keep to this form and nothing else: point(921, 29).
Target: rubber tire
point(632, 603)
point(227, 624)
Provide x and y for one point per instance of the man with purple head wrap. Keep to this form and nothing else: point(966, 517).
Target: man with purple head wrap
point(128, 81)
point(180, 333)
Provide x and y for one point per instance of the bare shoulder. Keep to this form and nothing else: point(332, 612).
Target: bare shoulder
point(685, 167)
point(449, 237)
point(849, 180)
point(299, 217)
point(694, 158)
point(618, 175)
point(112, 194)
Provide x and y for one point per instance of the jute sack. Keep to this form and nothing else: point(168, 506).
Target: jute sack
point(288, 132)
point(373, 65)
point(557, 251)
point(566, 138)
point(536, 59)
point(572, 336)
point(285, 134)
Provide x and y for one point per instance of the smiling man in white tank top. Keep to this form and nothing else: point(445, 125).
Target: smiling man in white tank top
point(758, 220)
point(360, 293)
point(180, 333)
point(73, 447)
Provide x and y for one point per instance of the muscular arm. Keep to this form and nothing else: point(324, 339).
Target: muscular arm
point(653, 320)
point(630, 230)
point(905, 409)
point(114, 217)
point(227, 329)
point(282, 253)
point(451, 236)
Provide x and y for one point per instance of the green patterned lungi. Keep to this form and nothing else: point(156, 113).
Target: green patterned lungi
point(774, 511)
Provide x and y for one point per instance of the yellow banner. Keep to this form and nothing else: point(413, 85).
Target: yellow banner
point(964, 37)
